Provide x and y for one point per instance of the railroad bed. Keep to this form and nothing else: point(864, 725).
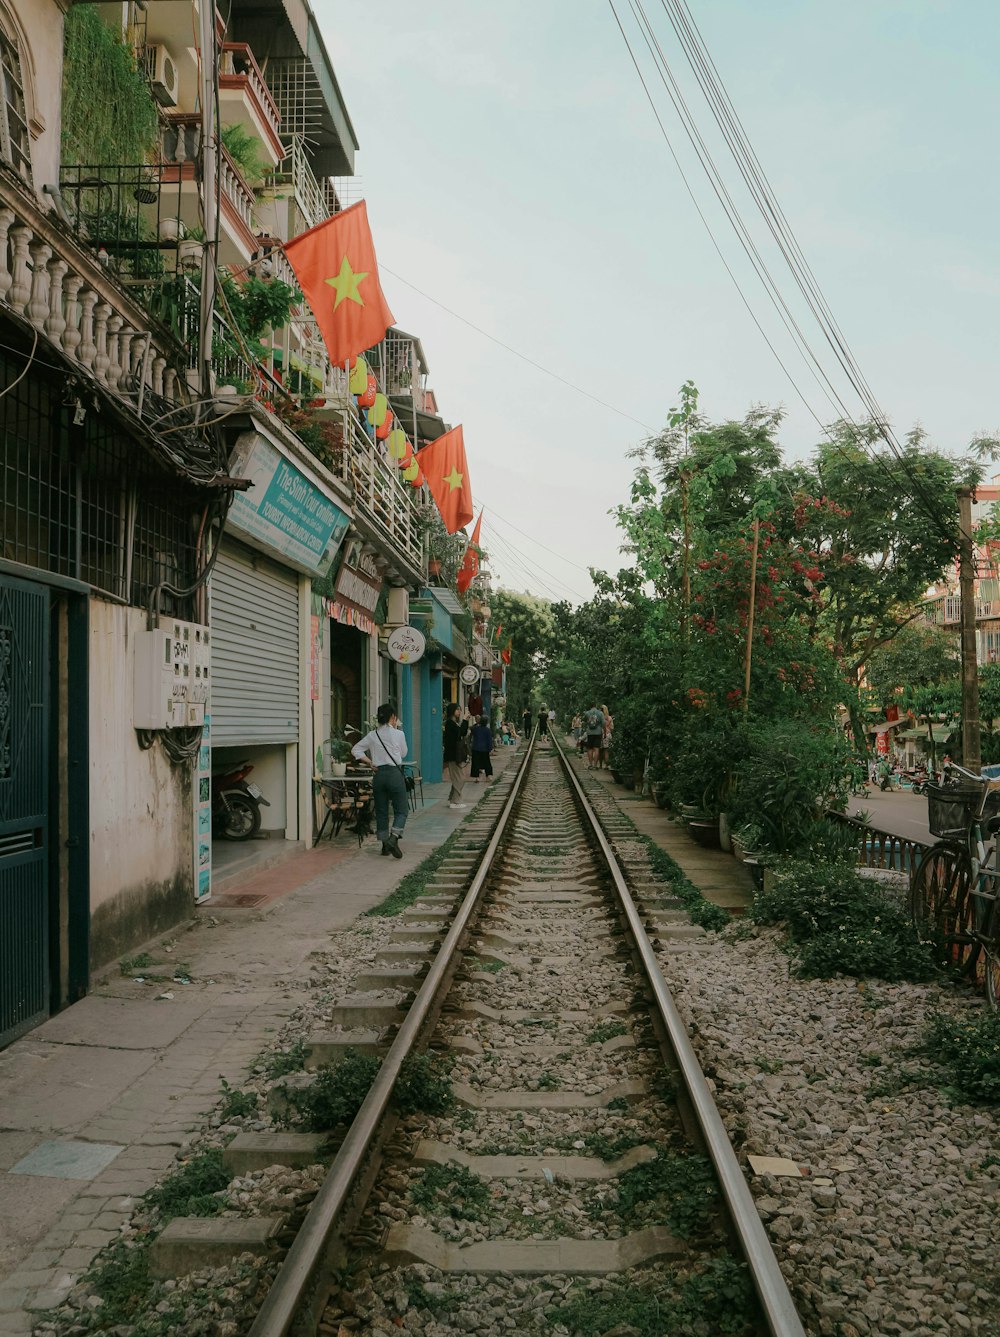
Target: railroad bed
point(580, 1177)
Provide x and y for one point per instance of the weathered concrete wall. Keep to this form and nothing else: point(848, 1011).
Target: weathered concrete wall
point(37, 26)
point(141, 805)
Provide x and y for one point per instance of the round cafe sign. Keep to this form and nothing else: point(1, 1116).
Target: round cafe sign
point(406, 645)
point(470, 675)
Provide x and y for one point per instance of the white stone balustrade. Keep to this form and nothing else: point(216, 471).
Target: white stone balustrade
point(60, 288)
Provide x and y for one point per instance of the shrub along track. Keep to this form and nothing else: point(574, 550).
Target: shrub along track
point(580, 1175)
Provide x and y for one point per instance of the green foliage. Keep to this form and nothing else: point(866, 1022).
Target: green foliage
point(245, 150)
point(423, 1085)
point(284, 1061)
point(108, 113)
point(236, 1104)
point(969, 1049)
point(131, 965)
point(121, 1278)
point(715, 1298)
point(840, 924)
point(606, 1030)
point(680, 1189)
point(548, 1081)
point(337, 1094)
point(191, 1189)
point(452, 1190)
point(702, 912)
point(529, 624)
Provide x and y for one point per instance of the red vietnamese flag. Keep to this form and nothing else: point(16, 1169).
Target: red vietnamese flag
point(335, 265)
point(505, 652)
point(447, 473)
point(470, 562)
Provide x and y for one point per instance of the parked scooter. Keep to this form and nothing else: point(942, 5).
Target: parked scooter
point(236, 804)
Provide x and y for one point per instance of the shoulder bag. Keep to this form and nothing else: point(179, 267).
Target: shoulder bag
point(408, 780)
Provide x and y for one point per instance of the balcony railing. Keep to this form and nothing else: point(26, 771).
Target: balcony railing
point(239, 71)
point(180, 141)
point(385, 500)
point(72, 298)
point(295, 174)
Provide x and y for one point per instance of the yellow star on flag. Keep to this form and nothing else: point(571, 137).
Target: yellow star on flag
point(346, 284)
point(454, 479)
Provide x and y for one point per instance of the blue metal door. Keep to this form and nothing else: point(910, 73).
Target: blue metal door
point(24, 801)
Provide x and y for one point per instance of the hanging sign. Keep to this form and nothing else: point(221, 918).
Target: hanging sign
point(358, 584)
point(406, 645)
point(470, 675)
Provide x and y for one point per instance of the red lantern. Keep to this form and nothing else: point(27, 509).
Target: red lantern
point(385, 427)
point(368, 398)
point(419, 480)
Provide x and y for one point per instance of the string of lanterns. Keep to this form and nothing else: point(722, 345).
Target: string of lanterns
point(379, 416)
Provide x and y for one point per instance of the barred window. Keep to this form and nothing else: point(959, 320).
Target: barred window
point(15, 144)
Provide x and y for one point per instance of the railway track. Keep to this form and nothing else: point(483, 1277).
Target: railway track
point(582, 1174)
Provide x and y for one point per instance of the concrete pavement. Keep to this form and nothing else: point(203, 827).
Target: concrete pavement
point(897, 811)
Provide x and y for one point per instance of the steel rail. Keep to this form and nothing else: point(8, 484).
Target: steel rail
point(297, 1272)
point(772, 1289)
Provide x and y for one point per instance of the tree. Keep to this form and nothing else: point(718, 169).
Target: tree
point(528, 624)
point(919, 655)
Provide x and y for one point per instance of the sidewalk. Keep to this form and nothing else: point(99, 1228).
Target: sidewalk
point(720, 877)
point(96, 1102)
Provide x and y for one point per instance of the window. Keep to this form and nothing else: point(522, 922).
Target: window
point(15, 145)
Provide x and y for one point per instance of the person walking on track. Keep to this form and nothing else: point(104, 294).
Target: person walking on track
point(456, 754)
point(593, 722)
point(543, 723)
point(609, 728)
point(481, 737)
point(526, 723)
point(383, 750)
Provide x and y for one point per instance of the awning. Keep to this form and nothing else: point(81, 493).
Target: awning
point(942, 732)
point(884, 726)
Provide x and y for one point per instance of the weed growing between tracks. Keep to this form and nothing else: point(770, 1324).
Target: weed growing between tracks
point(716, 1298)
point(339, 1089)
point(191, 1189)
point(674, 1189)
point(702, 912)
point(452, 1190)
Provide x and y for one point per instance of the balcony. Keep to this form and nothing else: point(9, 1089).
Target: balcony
point(244, 97)
point(180, 142)
point(309, 201)
point(385, 507)
point(73, 298)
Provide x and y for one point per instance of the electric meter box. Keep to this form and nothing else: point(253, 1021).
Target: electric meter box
point(171, 676)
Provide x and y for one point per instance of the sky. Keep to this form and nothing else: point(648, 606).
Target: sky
point(514, 172)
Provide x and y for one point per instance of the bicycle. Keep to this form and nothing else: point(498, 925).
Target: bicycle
point(954, 896)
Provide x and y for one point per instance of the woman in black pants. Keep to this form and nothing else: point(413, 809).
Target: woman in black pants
point(383, 750)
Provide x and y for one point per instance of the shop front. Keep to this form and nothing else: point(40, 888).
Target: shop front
point(287, 528)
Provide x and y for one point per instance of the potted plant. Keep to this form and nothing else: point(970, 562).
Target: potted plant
point(748, 840)
point(434, 567)
point(339, 753)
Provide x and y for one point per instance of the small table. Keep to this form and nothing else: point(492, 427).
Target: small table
point(346, 798)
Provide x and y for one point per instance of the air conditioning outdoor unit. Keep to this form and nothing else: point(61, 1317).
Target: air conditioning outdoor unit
point(161, 71)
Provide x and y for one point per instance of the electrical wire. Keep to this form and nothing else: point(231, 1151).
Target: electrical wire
point(495, 515)
point(791, 252)
point(24, 370)
point(511, 555)
point(547, 371)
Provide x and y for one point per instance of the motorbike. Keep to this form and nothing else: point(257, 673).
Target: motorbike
point(236, 804)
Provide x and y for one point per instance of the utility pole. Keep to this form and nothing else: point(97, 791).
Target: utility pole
point(971, 758)
point(209, 180)
point(750, 615)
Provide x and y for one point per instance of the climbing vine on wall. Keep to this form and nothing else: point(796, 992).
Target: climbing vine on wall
point(108, 115)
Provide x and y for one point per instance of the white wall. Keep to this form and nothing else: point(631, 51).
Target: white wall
point(38, 28)
point(141, 806)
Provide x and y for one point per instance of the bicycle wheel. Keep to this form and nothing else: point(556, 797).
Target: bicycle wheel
point(939, 895)
point(987, 928)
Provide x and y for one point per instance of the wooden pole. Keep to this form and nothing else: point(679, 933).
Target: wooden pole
point(750, 615)
point(686, 579)
point(971, 758)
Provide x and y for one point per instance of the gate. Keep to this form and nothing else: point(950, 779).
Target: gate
point(24, 801)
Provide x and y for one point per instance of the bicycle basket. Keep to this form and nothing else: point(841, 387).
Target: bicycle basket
point(950, 808)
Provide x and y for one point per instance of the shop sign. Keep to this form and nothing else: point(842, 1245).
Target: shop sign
point(315, 655)
point(358, 584)
point(283, 513)
point(470, 675)
point(406, 645)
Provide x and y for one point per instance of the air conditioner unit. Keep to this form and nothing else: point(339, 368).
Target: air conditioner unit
point(161, 71)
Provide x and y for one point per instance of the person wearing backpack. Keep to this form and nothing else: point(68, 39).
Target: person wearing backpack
point(594, 724)
point(456, 754)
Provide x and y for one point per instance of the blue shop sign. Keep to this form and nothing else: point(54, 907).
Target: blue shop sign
point(283, 512)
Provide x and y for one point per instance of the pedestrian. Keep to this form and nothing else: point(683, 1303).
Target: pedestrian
point(576, 727)
point(593, 722)
point(526, 722)
point(383, 749)
point(481, 738)
point(552, 721)
point(543, 723)
point(456, 753)
point(606, 732)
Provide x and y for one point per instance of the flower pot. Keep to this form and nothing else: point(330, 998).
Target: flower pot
point(705, 832)
point(189, 253)
point(169, 229)
point(616, 776)
point(660, 796)
point(434, 567)
point(338, 769)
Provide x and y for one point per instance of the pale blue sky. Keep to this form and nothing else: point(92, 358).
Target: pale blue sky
point(514, 171)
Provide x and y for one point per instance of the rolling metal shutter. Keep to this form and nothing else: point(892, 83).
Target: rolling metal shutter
point(255, 649)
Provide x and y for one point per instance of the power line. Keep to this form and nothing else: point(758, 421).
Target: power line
point(517, 353)
point(510, 554)
point(495, 515)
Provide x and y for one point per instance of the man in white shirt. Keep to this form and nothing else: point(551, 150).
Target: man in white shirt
point(383, 750)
